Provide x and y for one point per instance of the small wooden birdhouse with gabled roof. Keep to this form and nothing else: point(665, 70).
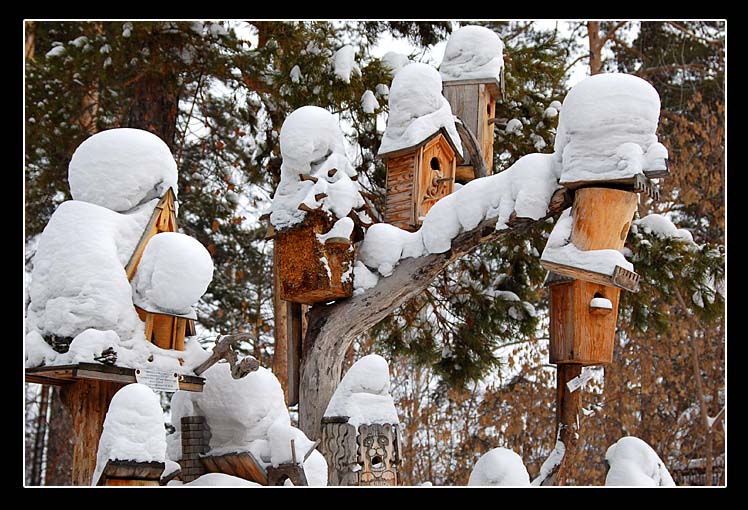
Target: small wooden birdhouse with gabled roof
point(417, 178)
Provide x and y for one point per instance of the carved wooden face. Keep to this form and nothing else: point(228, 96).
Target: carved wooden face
point(376, 453)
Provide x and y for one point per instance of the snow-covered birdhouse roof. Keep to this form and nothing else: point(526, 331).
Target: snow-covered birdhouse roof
point(440, 132)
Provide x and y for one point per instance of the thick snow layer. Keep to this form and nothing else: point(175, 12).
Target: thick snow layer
point(89, 344)
point(395, 61)
point(363, 278)
point(280, 435)
point(369, 102)
point(417, 109)
point(600, 302)
point(634, 463)
point(37, 351)
point(79, 281)
point(473, 52)
point(133, 428)
point(341, 229)
point(499, 467)
point(312, 145)
point(661, 226)
point(553, 460)
point(607, 129)
point(121, 168)
point(172, 275)
point(525, 189)
point(215, 480)
point(364, 394)
point(560, 250)
point(344, 63)
point(315, 469)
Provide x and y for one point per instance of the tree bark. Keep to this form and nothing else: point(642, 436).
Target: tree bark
point(567, 419)
point(40, 433)
point(30, 46)
point(280, 350)
point(596, 46)
point(59, 470)
point(333, 327)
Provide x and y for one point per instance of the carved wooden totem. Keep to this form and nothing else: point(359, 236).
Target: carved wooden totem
point(340, 449)
point(379, 453)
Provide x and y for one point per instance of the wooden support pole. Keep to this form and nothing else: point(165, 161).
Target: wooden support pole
point(294, 338)
point(87, 401)
point(568, 404)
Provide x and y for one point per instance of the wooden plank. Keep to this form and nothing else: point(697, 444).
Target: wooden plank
point(463, 99)
point(464, 174)
point(487, 106)
point(179, 333)
point(149, 318)
point(65, 374)
point(492, 84)
point(584, 274)
point(128, 469)
point(294, 346)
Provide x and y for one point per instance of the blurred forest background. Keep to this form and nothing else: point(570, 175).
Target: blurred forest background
point(469, 363)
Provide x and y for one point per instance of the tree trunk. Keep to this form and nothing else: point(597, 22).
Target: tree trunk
point(567, 419)
point(154, 107)
point(30, 29)
point(40, 432)
point(333, 327)
point(59, 470)
point(596, 46)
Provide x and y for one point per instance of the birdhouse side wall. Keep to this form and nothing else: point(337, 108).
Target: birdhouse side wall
point(475, 105)
point(304, 276)
point(485, 136)
point(580, 334)
point(399, 204)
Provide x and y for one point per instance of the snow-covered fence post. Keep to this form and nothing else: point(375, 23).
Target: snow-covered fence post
point(607, 149)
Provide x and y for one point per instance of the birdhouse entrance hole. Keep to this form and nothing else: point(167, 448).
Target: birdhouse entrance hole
point(435, 164)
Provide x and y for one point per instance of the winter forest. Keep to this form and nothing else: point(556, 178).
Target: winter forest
point(413, 253)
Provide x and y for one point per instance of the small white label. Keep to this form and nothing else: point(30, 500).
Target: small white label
point(159, 380)
point(579, 380)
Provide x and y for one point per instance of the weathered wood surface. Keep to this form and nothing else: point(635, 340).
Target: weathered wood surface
point(340, 449)
point(486, 128)
point(226, 348)
point(277, 476)
point(471, 146)
point(435, 176)
point(568, 405)
point(294, 339)
point(87, 401)
point(130, 472)
point(333, 327)
point(242, 465)
point(163, 219)
point(601, 218)
point(67, 374)
point(621, 278)
point(577, 333)
point(304, 278)
point(165, 331)
point(379, 454)
point(399, 207)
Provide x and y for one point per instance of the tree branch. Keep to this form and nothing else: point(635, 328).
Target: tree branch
point(333, 327)
point(713, 42)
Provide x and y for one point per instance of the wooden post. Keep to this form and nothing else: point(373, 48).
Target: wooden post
point(294, 339)
point(568, 404)
point(87, 401)
point(280, 331)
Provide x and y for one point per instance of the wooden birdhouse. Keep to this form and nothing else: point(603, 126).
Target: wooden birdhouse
point(417, 178)
point(164, 330)
point(367, 456)
point(474, 102)
point(311, 270)
point(583, 321)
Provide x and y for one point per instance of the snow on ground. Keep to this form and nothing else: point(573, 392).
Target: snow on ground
point(499, 467)
point(363, 394)
point(215, 480)
point(247, 414)
point(560, 250)
point(395, 61)
point(417, 109)
point(607, 129)
point(133, 428)
point(634, 463)
point(121, 168)
point(312, 146)
point(662, 227)
point(173, 273)
point(472, 52)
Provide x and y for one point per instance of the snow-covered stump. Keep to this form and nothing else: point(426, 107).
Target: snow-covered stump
point(473, 75)
point(313, 270)
point(360, 436)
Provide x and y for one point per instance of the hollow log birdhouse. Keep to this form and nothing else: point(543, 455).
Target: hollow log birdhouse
point(417, 178)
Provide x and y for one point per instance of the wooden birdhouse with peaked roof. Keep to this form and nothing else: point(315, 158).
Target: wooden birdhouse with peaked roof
point(417, 178)
point(163, 330)
point(473, 101)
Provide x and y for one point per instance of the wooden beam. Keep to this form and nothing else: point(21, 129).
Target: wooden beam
point(294, 339)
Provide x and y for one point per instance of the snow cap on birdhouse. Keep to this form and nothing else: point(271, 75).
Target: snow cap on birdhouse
point(360, 429)
point(317, 211)
point(473, 75)
point(420, 146)
point(121, 168)
point(607, 131)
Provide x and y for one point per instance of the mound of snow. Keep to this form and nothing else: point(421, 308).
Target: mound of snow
point(417, 109)
point(133, 428)
point(499, 467)
point(607, 129)
point(634, 463)
point(472, 52)
point(312, 146)
point(364, 394)
point(216, 480)
point(395, 61)
point(173, 273)
point(121, 168)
